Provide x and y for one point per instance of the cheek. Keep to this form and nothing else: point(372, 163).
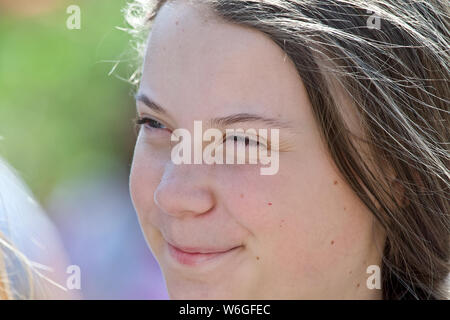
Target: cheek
point(303, 219)
point(255, 203)
point(144, 178)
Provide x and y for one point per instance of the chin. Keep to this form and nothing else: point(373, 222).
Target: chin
point(200, 291)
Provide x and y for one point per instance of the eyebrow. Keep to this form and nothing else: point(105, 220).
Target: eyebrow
point(149, 103)
point(222, 121)
point(248, 117)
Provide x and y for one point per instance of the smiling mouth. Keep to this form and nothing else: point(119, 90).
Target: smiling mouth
point(195, 256)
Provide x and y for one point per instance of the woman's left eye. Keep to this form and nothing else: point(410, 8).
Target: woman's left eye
point(243, 139)
point(151, 123)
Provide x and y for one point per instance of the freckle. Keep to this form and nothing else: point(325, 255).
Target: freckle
point(335, 182)
point(257, 258)
point(345, 208)
point(357, 285)
point(242, 195)
point(176, 22)
point(270, 203)
point(350, 272)
point(332, 242)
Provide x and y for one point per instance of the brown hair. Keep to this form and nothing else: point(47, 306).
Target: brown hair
point(397, 78)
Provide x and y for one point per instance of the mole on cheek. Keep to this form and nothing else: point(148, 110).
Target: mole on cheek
point(335, 182)
point(332, 242)
point(242, 195)
point(257, 258)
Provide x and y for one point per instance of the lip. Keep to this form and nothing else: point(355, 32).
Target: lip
point(195, 256)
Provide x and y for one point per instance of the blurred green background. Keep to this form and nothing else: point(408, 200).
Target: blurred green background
point(66, 126)
point(61, 114)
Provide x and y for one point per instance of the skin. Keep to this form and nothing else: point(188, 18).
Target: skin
point(303, 233)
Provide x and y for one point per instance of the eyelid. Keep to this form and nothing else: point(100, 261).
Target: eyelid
point(256, 139)
point(151, 129)
point(143, 117)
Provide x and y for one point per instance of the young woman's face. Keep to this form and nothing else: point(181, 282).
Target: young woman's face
point(300, 233)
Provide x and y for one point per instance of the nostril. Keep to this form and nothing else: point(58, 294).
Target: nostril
point(178, 198)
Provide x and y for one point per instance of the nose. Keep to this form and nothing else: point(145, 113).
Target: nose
point(184, 189)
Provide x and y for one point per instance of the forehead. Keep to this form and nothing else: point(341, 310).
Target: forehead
point(197, 62)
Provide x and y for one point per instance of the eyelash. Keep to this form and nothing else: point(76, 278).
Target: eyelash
point(247, 140)
point(154, 124)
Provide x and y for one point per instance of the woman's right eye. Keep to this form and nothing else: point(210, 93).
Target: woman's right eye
point(150, 123)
